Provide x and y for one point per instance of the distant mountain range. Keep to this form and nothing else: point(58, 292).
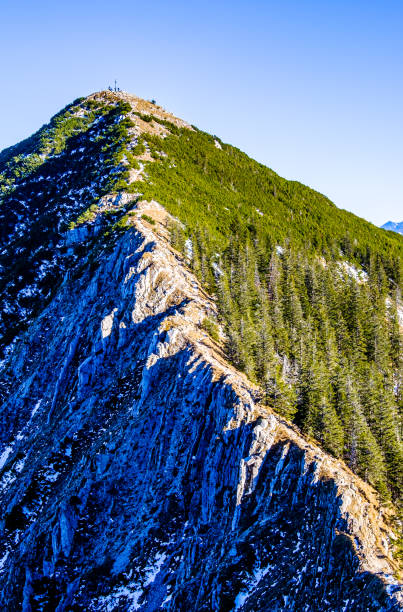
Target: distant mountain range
point(394, 226)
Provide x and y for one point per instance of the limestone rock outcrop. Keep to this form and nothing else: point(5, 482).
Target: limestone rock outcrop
point(140, 472)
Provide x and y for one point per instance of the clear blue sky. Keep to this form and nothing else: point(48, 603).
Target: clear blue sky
point(312, 88)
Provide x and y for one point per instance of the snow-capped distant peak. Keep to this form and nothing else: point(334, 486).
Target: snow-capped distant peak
point(394, 226)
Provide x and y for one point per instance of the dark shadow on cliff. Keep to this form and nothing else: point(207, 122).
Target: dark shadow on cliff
point(154, 469)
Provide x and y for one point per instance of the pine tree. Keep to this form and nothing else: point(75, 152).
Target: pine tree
point(361, 451)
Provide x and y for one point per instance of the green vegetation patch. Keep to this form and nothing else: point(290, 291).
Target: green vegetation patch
point(211, 328)
point(325, 349)
point(148, 219)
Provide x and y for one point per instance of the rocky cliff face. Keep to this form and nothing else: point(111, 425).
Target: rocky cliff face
point(139, 472)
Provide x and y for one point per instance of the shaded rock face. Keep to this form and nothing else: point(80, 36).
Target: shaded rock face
point(138, 471)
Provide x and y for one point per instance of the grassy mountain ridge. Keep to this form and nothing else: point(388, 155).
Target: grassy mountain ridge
point(215, 179)
point(308, 294)
point(296, 212)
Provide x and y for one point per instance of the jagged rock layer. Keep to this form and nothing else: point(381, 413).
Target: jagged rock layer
point(139, 471)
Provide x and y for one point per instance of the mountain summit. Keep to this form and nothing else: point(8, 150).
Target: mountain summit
point(394, 226)
point(200, 377)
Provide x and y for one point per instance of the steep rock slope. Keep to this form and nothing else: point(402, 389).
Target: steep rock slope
point(308, 295)
point(140, 472)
